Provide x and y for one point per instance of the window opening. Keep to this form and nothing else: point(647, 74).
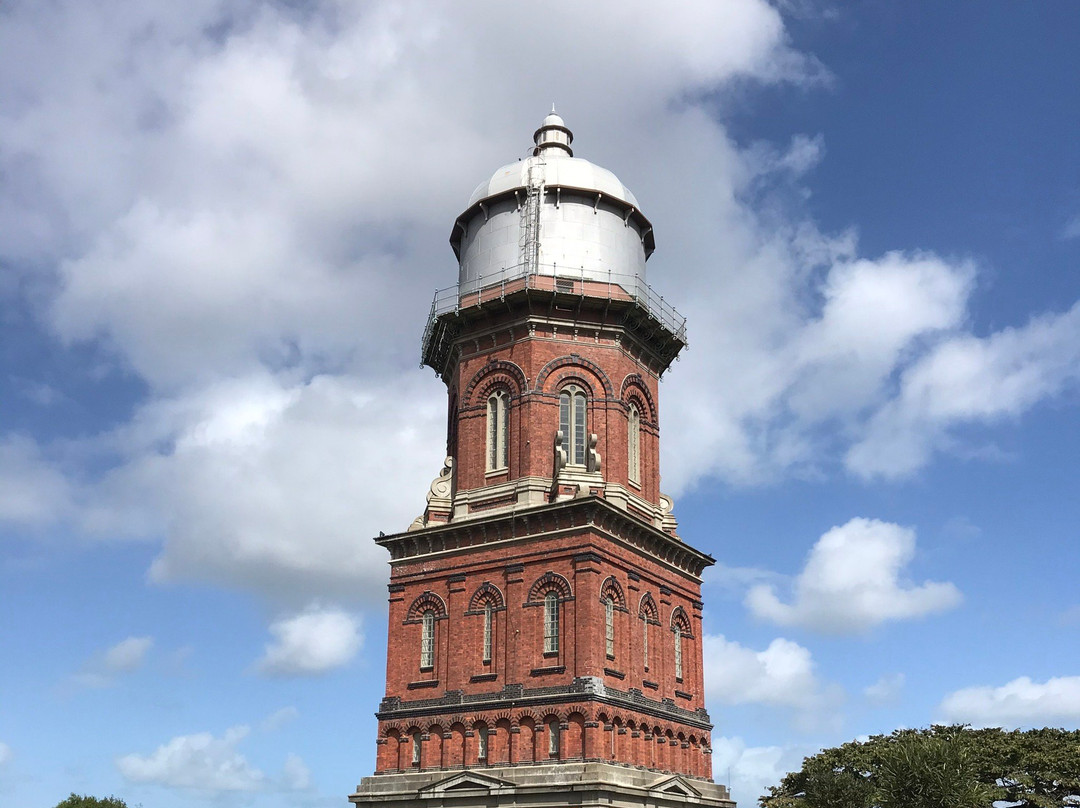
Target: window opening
point(416, 748)
point(553, 739)
point(551, 623)
point(645, 641)
point(609, 626)
point(487, 632)
point(482, 743)
point(427, 641)
point(572, 423)
point(633, 445)
point(498, 454)
point(678, 652)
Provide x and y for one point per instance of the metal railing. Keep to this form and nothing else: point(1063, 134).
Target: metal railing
point(560, 280)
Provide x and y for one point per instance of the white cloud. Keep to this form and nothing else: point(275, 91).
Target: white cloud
point(781, 675)
point(967, 379)
point(295, 775)
point(749, 770)
point(5, 753)
point(280, 718)
point(33, 490)
point(278, 486)
point(126, 656)
point(312, 642)
point(885, 690)
point(1071, 229)
point(1017, 703)
point(201, 762)
point(241, 205)
point(852, 583)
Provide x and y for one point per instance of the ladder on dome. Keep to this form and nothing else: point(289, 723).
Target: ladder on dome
point(530, 218)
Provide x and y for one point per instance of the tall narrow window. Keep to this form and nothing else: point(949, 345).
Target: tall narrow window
point(572, 424)
point(553, 739)
point(609, 626)
point(498, 414)
point(678, 652)
point(487, 631)
point(427, 640)
point(551, 623)
point(482, 742)
point(645, 641)
point(633, 445)
point(416, 748)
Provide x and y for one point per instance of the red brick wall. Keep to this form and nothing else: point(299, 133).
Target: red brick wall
point(585, 559)
point(612, 376)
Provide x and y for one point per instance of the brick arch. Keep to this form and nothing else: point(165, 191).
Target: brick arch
point(548, 582)
point(679, 618)
point(647, 609)
point(486, 594)
point(634, 383)
point(573, 360)
point(426, 601)
point(501, 370)
point(611, 587)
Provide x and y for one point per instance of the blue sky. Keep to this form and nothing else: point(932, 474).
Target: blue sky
point(220, 228)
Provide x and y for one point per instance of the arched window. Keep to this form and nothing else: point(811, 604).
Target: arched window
point(645, 642)
point(498, 430)
point(553, 739)
point(678, 653)
point(551, 623)
point(482, 742)
point(416, 748)
point(488, 615)
point(633, 445)
point(572, 423)
point(609, 626)
point(427, 640)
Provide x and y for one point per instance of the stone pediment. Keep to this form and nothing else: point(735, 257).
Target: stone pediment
point(468, 781)
point(676, 786)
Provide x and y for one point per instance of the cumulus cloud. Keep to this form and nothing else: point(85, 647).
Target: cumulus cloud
point(200, 762)
point(852, 583)
point(885, 690)
point(1021, 702)
point(126, 656)
point(296, 776)
point(245, 208)
point(967, 379)
point(280, 718)
point(310, 643)
point(748, 771)
point(781, 675)
point(33, 491)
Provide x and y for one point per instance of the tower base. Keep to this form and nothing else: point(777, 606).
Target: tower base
point(558, 785)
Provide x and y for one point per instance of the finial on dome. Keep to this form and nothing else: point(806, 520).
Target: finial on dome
point(553, 136)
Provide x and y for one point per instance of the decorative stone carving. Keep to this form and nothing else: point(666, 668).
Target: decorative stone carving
point(560, 454)
point(439, 502)
point(668, 522)
point(593, 458)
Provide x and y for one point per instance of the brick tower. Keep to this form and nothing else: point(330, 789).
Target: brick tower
point(545, 618)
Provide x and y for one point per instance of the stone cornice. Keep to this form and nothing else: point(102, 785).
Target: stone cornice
point(542, 520)
point(393, 708)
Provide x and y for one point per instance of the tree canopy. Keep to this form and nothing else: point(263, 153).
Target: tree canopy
point(940, 767)
point(84, 801)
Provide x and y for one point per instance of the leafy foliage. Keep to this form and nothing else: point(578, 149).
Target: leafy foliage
point(83, 801)
point(940, 767)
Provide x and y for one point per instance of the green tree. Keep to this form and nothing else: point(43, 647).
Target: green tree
point(939, 767)
point(83, 801)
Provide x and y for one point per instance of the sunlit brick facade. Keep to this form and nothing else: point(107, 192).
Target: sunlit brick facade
point(544, 615)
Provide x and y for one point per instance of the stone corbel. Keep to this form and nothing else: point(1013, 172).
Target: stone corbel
point(439, 502)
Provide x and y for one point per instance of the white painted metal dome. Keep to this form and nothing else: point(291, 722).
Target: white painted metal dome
point(553, 214)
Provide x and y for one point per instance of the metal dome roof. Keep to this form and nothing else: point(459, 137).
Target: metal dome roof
point(566, 171)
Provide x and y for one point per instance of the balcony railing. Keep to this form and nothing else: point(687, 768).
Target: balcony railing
point(560, 280)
